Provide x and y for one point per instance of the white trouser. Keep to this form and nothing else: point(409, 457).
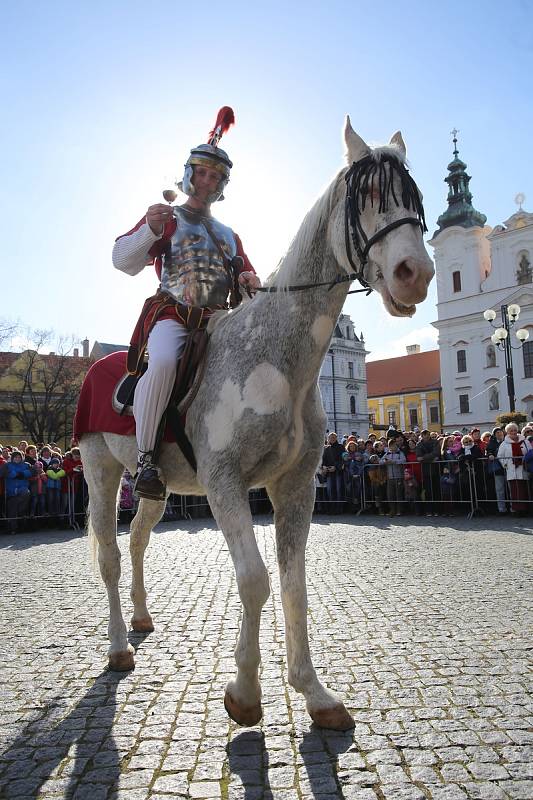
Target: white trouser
point(165, 346)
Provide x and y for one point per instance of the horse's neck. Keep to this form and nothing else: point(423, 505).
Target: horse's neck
point(308, 316)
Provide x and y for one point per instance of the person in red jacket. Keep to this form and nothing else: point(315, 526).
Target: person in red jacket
point(199, 262)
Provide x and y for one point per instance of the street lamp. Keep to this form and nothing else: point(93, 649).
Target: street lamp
point(333, 384)
point(501, 339)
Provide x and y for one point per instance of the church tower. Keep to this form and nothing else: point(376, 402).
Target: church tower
point(462, 263)
point(462, 252)
point(478, 268)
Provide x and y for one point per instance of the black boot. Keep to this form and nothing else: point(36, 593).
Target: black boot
point(150, 482)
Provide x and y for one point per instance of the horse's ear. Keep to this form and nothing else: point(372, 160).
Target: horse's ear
point(356, 147)
point(397, 141)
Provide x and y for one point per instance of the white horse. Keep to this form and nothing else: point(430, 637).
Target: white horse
point(258, 418)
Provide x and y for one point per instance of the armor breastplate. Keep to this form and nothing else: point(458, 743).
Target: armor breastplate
point(193, 271)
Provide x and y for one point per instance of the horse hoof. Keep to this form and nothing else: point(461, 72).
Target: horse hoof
point(242, 715)
point(335, 718)
point(122, 661)
point(143, 625)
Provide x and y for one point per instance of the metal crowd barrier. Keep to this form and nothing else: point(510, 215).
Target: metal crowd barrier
point(440, 488)
point(23, 513)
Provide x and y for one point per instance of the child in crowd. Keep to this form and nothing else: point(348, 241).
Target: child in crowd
point(54, 474)
point(394, 460)
point(411, 489)
point(354, 460)
point(377, 476)
point(38, 491)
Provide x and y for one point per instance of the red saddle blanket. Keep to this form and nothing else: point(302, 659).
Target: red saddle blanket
point(95, 412)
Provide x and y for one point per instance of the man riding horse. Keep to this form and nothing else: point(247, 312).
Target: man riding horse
point(200, 263)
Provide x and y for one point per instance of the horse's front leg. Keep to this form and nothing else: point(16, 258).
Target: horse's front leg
point(148, 514)
point(293, 499)
point(231, 510)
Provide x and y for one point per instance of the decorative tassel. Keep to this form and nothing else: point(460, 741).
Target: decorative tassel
point(225, 119)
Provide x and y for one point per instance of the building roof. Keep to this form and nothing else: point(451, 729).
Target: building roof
point(417, 372)
point(106, 348)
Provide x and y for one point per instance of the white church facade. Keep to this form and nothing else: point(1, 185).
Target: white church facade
point(342, 381)
point(480, 268)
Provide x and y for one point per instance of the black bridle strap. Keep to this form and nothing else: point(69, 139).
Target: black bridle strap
point(384, 231)
point(301, 286)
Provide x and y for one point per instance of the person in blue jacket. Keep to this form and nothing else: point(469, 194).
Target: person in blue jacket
point(17, 474)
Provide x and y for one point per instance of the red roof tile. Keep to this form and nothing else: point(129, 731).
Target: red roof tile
point(417, 372)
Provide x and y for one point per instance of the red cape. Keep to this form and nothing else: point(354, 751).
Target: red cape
point(95, 413)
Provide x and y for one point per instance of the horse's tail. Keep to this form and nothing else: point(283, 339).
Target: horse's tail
point(93, 544)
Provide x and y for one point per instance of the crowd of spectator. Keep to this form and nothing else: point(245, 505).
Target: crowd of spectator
point(413, 472)
point(40, 485)
point(424, 472)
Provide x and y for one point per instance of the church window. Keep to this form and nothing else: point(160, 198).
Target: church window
point(491, 355)
point(524, 273)
point(456, 277)
point(527, 350)
point(494, 398)
point(413, 417)
point(461, 361)
point(464, 404)
point(392, 418)
point(347, 333)
point(350, 369)
point(352, 405)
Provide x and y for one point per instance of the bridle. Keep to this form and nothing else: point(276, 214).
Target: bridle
point(360, 180)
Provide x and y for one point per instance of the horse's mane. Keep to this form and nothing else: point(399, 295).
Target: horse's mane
point(286, 273)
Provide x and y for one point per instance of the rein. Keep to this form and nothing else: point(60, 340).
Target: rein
point(359, 182)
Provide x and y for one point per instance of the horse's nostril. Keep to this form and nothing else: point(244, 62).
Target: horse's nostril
point(403, 272)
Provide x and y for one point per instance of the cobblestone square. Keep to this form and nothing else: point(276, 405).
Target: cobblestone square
point(424, 630)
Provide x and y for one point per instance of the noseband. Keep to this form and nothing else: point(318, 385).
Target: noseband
point(363, 177)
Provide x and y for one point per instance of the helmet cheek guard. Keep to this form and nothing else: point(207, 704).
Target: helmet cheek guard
point(186, 185)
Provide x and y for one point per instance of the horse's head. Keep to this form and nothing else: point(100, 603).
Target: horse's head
point(381, 235)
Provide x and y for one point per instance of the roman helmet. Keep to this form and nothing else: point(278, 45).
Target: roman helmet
point(209, 155)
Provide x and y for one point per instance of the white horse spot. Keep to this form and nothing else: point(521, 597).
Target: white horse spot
point(265, 391)
point(322, 329)
point(221, 420)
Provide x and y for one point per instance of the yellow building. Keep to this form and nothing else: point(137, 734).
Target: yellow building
point(405, 392)
point(38, 395)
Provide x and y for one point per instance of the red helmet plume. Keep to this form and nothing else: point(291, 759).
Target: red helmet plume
point(225, 119)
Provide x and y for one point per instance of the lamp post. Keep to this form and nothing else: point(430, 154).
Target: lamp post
point(333, 384)
point(502, 340)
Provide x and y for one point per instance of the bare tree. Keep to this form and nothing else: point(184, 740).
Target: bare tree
point(8, 329)
point(47, 388)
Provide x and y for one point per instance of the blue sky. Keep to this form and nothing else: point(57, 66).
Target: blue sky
point(103, 101)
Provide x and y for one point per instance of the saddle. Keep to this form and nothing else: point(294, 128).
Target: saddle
point(189, 375)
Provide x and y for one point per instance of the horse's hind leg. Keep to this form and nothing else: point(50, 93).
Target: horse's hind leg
point(231, 510)
point(293, 499)
point(148, 514)
point(102, 473)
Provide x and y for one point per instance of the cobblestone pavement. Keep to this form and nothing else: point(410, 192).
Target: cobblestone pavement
point(424, 631)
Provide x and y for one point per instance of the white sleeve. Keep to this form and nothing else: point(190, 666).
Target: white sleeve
point(130, 252)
